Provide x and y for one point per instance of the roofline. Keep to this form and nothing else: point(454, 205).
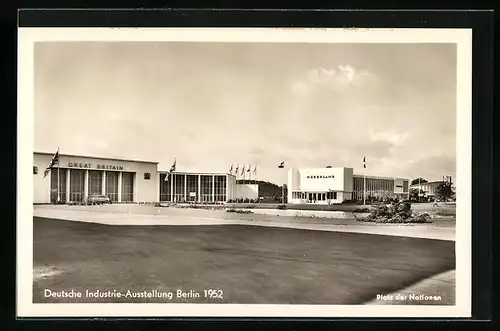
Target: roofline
point(97, 157)
point(434, 181)
point(379, 177)
point(195, 173)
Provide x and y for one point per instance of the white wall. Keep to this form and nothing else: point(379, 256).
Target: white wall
point(41, 186)
point(398, 185)
point(338, 179)
point(322, 179)
point(144, 190)
point(246, 191)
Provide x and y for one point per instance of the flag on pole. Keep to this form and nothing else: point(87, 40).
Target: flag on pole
point(231, 169)
point(255, 170)
point(237, 167)
point(243, 170)
point(172, 169)
point(364, 162)
point(52, 163)
point(249, 167)
point(282, 164)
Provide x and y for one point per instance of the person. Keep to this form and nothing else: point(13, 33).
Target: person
point(435, 203)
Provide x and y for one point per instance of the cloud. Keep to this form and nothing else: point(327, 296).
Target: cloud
point(336, 79)
point(392, 137)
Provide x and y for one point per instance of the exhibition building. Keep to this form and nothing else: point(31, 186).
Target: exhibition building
point(331, 185)
point(74, 178)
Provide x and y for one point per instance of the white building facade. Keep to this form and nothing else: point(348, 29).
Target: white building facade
point(76, 178)
point(334, 185)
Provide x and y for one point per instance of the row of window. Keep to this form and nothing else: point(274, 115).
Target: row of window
point(315, 196)
point(77, 185)
point(203, 188)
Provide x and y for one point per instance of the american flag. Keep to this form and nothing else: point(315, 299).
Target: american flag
point(52, 163)
point(364, 162)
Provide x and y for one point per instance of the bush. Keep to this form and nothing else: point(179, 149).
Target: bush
point(361, 210)
point(397, 212)
point(239, 211)
point(282, 207)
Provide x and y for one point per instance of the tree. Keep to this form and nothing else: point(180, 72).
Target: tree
point(419, 180)
point(444, 191)
point(414, 194)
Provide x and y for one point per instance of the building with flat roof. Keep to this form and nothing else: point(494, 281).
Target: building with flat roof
point(427, 190)
point(331, 185)
point(77, 177)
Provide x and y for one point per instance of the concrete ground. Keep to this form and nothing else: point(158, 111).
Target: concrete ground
point(441, 284)
point(149, 215)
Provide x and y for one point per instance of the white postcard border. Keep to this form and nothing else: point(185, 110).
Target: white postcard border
point(28, 36)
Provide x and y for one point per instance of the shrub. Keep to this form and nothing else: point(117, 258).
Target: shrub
point(361, 210)
point(397, 212)
point(282, 206)
point(238, 211)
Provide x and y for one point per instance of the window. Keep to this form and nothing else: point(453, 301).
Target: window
point(112, 185)
point(220, 188)
point(192, 187)
point(165, 187)
point(35, 170)
point(95, 182)
point(127, 186)
point(178, 181)
point(76, 185)
point(206, 188)
point(147, 176)
point(58, 176)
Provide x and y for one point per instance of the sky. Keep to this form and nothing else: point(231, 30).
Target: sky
point(211, 105)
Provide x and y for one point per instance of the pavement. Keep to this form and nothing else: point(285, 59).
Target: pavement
point(149, 215)
point(436, 290)
point(442, 284)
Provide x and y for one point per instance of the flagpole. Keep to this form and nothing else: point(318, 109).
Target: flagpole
point(364, 189)
point(174, 178)
point(58, 194)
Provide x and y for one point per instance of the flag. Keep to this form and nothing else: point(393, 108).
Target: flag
point(54, 161)
point(243, 170)
point(282, 164)
point(364, 162)
point(255, 170)
point(231, 170)
point(249, 167)
point(172, 169)
point(237, 167)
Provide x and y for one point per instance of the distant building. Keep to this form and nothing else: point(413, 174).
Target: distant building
point(428, 189)
point(332, 185)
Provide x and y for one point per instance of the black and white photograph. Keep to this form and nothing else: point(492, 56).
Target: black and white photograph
point(244, 172)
